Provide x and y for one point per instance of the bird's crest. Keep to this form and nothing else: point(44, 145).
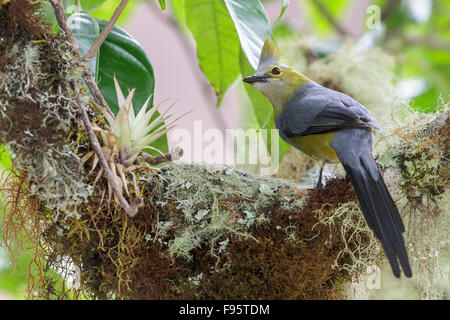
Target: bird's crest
point(269, 52)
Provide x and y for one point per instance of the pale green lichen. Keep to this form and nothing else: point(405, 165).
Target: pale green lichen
point(39, 143)
point(353, 227)
point(213, 204)
point(415, 147)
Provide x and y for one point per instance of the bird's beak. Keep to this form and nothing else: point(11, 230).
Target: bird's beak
point(253, 79)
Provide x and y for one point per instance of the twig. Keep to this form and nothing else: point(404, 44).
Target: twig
point(101, 38)
point(62, 21)
point(60, 14)
point(330, 18)
point(111, 179)
point(175, 154)
point(96, 93)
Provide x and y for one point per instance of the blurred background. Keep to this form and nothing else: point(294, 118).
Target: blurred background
point(382, 52)
point(413, 34)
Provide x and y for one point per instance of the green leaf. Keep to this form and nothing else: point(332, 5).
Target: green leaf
point(85, 30)
point(162, 4)
point(123, 56)
point(178, 13)
point(252, 26)
point(217, 42)
point(91, 5)
point(262, 107)
point(107, 9)
point(284, 6)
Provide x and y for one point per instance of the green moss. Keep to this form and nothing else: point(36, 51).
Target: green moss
point(213, 204)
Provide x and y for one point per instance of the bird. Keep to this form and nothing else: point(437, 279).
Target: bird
point(332, 127)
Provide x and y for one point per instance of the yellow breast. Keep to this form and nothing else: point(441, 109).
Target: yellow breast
point(317, 146)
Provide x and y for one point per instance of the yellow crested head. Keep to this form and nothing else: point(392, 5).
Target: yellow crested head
point(274, 79)
point(269, 52)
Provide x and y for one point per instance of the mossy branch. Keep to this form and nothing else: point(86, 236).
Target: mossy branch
point(202, 232)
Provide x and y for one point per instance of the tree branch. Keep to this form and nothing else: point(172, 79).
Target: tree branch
point(62, 21)
point(61, 17)
point(131, 211)
point(88, 56)
point(330, 18)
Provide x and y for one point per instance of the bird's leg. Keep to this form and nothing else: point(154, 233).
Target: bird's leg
point(319, 181)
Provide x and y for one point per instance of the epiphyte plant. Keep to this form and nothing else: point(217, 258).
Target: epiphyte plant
point(128, 135)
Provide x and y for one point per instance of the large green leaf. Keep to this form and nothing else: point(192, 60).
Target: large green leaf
point(178, 13)
point(123, 56)
point(261, 106)
point(252, 26)
point(85, 30)
point(120, 55)
point(217, 42)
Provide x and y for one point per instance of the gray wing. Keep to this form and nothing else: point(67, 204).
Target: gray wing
point(316, 109)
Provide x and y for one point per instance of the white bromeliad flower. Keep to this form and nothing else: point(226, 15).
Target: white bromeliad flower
point(127, 136)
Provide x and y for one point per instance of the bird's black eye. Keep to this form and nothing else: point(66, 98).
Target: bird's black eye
point(276, 71)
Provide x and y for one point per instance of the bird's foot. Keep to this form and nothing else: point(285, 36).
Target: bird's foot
point(320, 185)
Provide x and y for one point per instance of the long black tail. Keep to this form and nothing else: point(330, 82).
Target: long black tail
point(377, 205)
point(380, 212)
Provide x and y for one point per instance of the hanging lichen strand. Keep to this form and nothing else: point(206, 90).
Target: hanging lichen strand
point(39, 85)
point(423, 158)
